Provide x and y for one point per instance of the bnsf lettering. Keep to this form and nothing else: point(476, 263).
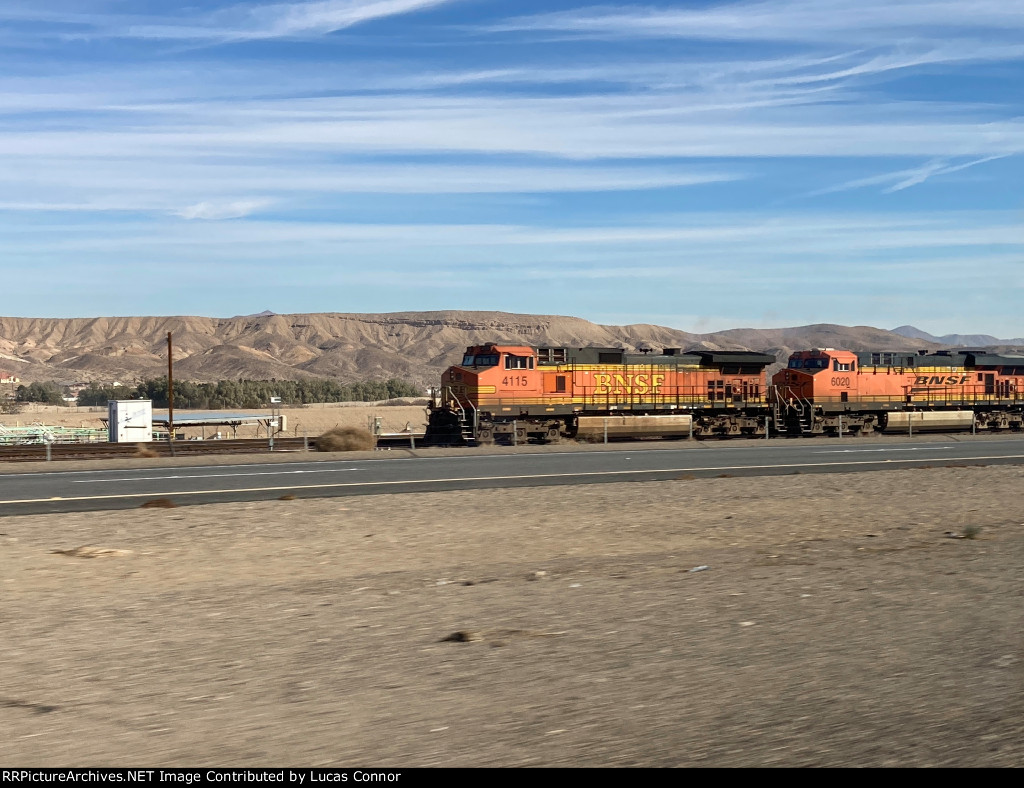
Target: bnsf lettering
point(627, 384)
point(939, 380)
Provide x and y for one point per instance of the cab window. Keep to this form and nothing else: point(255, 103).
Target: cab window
point(467, 360)
point(518, 362)
point(488, 360)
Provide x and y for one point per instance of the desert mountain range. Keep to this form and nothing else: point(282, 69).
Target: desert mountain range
point(415, 346)
point(958, 340)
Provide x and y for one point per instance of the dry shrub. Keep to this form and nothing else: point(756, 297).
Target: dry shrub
point(141, 450)
point(87, 551)
point(158, 503)
point(345, 439)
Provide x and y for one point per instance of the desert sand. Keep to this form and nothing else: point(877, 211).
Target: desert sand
point(827, 620)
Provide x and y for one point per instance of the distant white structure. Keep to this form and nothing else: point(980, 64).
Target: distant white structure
point(130, 420)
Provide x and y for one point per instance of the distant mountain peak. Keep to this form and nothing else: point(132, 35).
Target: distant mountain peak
point(915, 333)
point(965, 340)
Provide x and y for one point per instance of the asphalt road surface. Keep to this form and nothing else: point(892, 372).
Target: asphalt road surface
point(87, 490)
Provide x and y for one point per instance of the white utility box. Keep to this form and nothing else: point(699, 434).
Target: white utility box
point(130, 420)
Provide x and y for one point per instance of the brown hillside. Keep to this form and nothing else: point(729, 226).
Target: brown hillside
point(412, 345)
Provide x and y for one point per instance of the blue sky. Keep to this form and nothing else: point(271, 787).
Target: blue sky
point(701, 165)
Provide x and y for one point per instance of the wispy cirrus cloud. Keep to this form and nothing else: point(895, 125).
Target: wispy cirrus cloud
point(574, 128)
point(716, 237)
point(677, 262)
point(932, 169)
point(596, 148)
point(783, 20)
point(905, 178)
point(224, 190)
point(235, 209)
point(281, 20)
point(226, 23)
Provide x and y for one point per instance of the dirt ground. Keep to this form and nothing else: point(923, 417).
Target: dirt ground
point(826, 620)
point(311, 420)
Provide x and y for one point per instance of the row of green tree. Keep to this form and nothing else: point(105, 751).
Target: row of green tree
point(226, 393)
point(47, 392)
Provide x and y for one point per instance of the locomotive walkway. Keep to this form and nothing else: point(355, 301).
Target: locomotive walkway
point(485, 470)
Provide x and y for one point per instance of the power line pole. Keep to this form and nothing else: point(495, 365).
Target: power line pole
point(170, 394)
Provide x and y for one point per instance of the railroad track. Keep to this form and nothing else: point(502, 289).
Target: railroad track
point(37, 452)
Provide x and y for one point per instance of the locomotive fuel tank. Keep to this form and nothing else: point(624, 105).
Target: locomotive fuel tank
point(923, 421)
point(621, 425)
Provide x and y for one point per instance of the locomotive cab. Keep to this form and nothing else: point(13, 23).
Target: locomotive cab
point(492, 382)
point(823, 375)
point(489, 374)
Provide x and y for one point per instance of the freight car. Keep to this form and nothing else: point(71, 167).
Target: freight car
point(513, 394)
point(826, 391)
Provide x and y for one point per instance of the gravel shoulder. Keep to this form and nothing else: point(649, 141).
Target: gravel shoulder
point(835, 620)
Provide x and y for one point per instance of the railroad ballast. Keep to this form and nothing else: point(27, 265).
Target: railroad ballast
point(514, 394)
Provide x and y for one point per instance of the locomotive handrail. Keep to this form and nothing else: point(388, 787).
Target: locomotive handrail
point(681, 396)
point(449, 395)
point(787, 396)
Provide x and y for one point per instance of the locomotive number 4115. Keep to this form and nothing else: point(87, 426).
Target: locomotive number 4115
point(514, 380)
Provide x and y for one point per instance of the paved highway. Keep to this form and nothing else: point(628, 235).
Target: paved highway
point(86, 490)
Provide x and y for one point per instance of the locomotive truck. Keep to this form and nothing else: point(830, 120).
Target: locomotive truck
point(514, 394)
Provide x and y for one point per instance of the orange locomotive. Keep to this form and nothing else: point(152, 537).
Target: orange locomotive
point(512, 394)
point(825, 391)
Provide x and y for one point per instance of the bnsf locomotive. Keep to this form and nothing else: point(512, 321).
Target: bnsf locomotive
point(514, 394)
point(823, 391)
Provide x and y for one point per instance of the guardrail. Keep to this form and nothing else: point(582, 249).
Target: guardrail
point(44, 452)
point(110, 451)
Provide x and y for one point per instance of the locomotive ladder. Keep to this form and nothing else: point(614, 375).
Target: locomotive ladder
point(467, 424)
point(792, 412)
point(466, 427)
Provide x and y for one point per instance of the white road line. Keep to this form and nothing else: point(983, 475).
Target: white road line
point(336, 485)
point(209, 476)
point(865, 451)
